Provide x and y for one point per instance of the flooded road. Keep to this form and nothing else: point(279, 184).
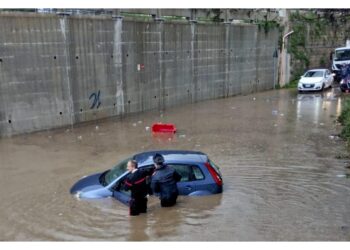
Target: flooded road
point(283, 177)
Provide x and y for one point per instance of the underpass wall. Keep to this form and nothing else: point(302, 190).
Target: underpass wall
point(57, 71)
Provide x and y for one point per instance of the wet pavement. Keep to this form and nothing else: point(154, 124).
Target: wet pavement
point(284, 177)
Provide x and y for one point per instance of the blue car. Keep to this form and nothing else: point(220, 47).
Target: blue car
point(200, 176)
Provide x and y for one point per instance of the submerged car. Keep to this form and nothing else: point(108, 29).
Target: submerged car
point(200, 176)
point(315, 80)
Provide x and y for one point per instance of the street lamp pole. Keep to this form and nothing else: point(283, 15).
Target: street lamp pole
point(284, 57)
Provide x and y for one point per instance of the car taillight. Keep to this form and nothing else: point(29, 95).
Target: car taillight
point(214, 174)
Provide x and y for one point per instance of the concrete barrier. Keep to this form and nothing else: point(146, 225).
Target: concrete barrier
point(62, 70)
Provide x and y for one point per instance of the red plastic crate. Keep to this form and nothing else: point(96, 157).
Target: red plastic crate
point(163, 128)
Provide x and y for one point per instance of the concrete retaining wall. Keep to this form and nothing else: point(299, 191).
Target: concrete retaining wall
point(57, 71)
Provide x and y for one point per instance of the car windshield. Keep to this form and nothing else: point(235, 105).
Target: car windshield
point(314, 74)
point(115, 172)
point(343, 54)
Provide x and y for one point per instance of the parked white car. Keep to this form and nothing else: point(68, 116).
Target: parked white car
point(315, 80)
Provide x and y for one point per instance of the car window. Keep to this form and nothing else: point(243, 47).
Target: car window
point(188, 172)
point(115, 172)
point(314, 74)
point(184, 170)
point(197, 172)
point(342, 54)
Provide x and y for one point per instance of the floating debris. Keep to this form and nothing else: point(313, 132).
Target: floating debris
point(254, 98)
point(321, 124)
point(281, 114)
point(182, 136)
point(147, 128)
point(60, 214)
point(97, 127)
point(233, 107)
point(134, 124)
point(80, 137)
point(139, 122)
point(275, 125)
point(197, 145)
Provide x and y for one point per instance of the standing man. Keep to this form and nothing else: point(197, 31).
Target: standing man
point(136, 181)
point(164, 182)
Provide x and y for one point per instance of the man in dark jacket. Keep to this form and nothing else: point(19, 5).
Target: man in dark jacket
point(164, 182)
point(136, 181)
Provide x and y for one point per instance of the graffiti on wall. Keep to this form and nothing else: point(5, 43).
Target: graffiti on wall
point(96, 100)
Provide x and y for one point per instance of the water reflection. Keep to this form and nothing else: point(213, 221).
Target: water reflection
point(317, 106)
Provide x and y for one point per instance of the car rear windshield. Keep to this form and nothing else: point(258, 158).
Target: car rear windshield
point(314, 74)
point(217, 169)
point(115, 172)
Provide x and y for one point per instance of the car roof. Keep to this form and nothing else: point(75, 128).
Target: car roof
point(316, 70)
point(343, 48)
point(146, 158)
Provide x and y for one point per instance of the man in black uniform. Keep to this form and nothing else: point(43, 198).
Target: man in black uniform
point(136, 181)
point(164, 182)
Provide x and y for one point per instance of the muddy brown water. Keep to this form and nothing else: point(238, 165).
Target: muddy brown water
point(282, 177)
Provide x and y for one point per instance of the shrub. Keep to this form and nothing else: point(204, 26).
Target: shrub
point(344, 119)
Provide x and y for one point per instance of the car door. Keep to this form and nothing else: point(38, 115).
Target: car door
point(329, 78)
point(199, 180)
point(119, 193)
point(185, 185)
point(326, 79)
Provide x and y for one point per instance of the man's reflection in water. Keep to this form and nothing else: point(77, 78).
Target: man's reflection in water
point(138, 228)
point(166, 220)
